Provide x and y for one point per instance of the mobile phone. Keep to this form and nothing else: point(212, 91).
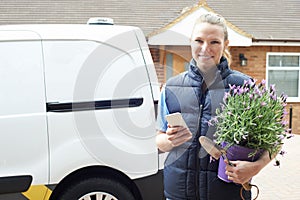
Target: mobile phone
point(175, 119)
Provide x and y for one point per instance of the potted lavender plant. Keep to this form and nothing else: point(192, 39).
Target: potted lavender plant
point(253, 117)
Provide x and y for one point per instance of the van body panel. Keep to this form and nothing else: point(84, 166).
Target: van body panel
point(18, 35)
point(23, 123)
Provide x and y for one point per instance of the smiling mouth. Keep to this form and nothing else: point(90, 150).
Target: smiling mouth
point(205, 56)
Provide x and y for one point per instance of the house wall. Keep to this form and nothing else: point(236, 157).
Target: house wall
point(256, 56)
point(255, 68)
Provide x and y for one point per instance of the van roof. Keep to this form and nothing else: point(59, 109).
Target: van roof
point(62, 31)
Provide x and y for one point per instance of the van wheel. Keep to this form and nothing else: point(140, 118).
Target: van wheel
point(97, 189)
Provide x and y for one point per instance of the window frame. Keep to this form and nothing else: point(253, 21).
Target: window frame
point(281, 68)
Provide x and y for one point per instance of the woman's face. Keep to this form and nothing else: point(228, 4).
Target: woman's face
point(208, 45)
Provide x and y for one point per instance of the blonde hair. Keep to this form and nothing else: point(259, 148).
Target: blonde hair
point(218, 20)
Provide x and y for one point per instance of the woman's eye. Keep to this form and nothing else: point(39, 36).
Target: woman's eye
point(215, 42)
point(198, 40)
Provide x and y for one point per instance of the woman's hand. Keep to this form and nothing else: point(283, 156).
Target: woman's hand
point(241, 171)
point(173, 137)
point(178, 135)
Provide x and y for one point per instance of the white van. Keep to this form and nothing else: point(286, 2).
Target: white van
point(77, 114)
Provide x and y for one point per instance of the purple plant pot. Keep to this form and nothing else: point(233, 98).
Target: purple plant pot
point(235, 152)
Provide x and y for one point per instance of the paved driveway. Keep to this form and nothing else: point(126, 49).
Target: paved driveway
point(282, 183)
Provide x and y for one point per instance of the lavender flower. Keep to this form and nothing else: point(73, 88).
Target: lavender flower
point(272, 88)
point(227, 94)
point(232, 87)
point(263, 103)
point(273, 97)
point(240, 91)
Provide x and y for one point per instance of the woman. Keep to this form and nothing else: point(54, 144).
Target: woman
point(189, 173)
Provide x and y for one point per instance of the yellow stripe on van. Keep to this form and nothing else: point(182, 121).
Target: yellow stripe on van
point(38, 192)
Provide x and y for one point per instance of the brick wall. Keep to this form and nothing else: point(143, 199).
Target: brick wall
point(159, 67)
point(255, 68)
point(256, 56)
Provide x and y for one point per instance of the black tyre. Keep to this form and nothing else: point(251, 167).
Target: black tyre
point(97, 188)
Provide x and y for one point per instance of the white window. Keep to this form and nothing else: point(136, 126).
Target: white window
point(283, 70)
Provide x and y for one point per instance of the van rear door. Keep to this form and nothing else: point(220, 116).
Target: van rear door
point(23, 127)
